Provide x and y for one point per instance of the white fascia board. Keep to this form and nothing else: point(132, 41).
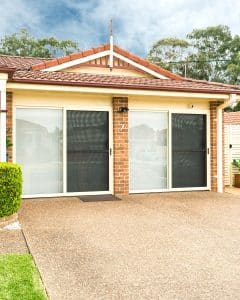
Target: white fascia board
point(76, 62)
point(140, 67)
point(11, 86)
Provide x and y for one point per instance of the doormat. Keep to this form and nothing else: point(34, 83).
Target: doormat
point(97, 198)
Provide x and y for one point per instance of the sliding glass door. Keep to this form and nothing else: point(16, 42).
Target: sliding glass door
point(52, 166)
point(155, 164)
point(148, 150)
point(39, 149)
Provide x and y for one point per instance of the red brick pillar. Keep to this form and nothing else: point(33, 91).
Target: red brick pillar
point(120, 146)
point(213, 143)
point(9, 124)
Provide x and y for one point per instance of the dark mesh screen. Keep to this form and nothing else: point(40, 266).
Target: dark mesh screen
point(189, 150)
point(87, 151)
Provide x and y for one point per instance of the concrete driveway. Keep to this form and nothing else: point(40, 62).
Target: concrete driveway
point(157, 246)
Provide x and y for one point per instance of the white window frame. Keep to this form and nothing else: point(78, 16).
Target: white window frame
point(64, 110)
point(169, 169)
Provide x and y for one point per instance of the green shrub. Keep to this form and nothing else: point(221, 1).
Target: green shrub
point(236, 163)
point(10, 188)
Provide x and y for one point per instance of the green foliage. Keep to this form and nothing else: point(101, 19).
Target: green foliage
point(10, 188)
point(8, 143)
point(23, 43)
point(19, 278)
point(166, 51)
point(236, 163)
point(211, 54)
point(211, 48)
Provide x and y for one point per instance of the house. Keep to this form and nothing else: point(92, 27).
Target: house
point(107, 121)
point(231, 145)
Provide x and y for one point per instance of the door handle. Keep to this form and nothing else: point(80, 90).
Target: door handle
point(110, 151)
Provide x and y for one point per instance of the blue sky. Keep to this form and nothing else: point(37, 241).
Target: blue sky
point(136, 23)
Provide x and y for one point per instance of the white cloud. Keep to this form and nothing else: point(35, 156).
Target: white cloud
point(16, 14)
point(141, 22)
point(137, 23)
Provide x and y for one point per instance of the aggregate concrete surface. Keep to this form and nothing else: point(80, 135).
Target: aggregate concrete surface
point(152, 246)
point(12, 241)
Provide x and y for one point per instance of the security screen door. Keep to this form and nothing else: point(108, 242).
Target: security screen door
point(189, 150)
point(87, 151)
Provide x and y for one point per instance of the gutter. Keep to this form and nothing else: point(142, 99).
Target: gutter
point(232, 99)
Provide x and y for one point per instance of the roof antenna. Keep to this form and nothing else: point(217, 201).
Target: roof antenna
point(111, 47)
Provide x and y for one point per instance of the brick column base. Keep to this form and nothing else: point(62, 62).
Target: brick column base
point(120, 146)
point(213, 143)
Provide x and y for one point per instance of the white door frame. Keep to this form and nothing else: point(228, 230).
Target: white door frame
point(64, 110)
point(169, 179)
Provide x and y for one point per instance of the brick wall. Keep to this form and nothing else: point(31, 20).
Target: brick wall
point(213, 143)
point(120, 147)
point(9, 123)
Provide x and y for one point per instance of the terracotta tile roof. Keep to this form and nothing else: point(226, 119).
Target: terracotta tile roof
point(77, 55)
point(213, 82)
point(127, 82)
point(28, 69)
point(232, 117)
point(19, 62)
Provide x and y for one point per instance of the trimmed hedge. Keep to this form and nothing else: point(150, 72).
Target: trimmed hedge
point(10, 188)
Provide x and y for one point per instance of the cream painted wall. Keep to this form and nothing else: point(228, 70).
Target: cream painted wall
point(66, 99)
point(168, 103)
point(56, 99)
point(107, 71)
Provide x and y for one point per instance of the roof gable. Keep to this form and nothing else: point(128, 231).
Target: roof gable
point(102, 51)
point(101, 66)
